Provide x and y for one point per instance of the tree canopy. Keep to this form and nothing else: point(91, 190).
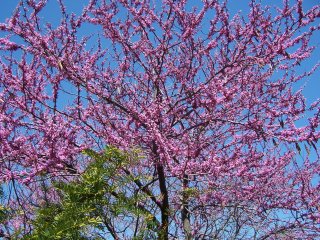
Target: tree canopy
point(211, 99)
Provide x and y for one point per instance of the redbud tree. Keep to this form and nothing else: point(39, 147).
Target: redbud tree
point(211, 98)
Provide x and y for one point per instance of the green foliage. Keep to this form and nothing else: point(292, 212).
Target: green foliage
point(85, 202)
point(4, 213)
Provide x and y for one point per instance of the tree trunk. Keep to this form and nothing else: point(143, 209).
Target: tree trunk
point(164, 230)
point(185, 216)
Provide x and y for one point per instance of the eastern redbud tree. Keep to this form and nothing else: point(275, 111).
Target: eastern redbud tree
point(211, 98)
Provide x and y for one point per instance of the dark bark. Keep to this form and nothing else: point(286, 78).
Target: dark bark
point(164, 231)
point(185, 215)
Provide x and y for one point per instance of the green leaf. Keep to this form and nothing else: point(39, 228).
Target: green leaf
point(98, 193)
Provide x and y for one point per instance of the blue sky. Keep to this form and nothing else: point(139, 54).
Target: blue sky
point(51, 13)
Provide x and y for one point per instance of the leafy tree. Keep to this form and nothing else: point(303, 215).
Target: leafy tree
point(90, 204)
point(4, 214)
point(210, 98)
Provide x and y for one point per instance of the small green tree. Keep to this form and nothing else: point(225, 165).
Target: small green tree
point(4, 213)
point(89, 203)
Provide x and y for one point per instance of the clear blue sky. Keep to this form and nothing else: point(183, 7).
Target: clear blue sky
point(51, 13)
